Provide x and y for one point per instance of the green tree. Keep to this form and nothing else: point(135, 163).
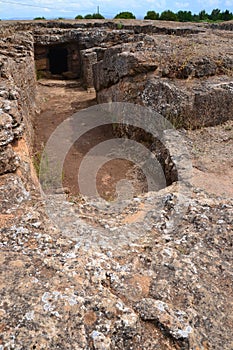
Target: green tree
point(125, 15)
point(79, 17)
point(97, 16)
point(215, 15)
point(184, 16)
point(168, 16)
point(152, 15)
point(226, 15)
point(196, 18)
point(39, 18)
point(88, 16)
point(203, 15)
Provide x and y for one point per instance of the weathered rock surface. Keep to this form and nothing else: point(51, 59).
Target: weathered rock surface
point(186, 79)
point(170, 289)
point(172, 321)
point(9, 160)
point(17, 96)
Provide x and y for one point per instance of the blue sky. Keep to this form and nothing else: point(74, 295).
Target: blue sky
point(26, 9)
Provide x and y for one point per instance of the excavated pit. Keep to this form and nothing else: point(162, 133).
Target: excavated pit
point(59, 100)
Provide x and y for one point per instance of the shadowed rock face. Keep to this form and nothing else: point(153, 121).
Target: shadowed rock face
point(172, 288)
point(17, 96)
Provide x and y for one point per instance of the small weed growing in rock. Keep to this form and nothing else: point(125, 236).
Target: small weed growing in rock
point(119, 26)
point(48, 174)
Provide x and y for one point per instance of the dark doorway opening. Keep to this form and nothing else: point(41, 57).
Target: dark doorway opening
point(58, 63)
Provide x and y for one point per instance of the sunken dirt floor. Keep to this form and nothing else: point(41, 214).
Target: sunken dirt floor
point(58, 100)
point(211, 148)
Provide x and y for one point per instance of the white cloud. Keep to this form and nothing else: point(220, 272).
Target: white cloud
point(229, 3)
point(182, 5)
point(210, 3)
point(160, 4)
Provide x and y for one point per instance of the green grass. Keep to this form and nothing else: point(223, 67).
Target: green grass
point(48, 174)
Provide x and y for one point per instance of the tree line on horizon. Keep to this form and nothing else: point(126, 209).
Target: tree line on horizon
point(167, 15)
point(187, 16)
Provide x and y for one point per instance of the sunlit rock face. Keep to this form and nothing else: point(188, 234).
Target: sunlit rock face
point(178, 76)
